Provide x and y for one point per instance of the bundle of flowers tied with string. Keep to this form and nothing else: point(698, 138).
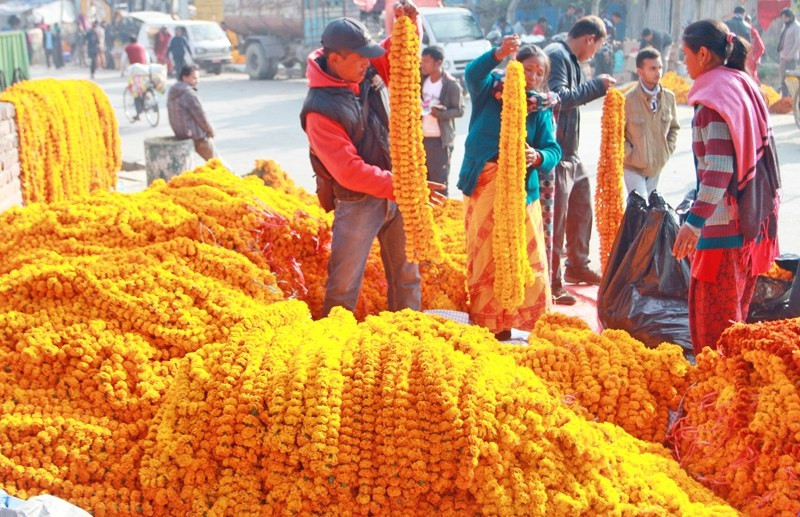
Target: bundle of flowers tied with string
point(406, 149)
point(512, 268)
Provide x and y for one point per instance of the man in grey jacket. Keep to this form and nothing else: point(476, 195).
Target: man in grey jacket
point(186, 115)
point(573, 200)
point(441, 105)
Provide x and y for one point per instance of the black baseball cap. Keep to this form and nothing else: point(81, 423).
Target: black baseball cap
point(350, 34)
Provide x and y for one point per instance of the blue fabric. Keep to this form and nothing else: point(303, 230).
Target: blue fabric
point(483, 140)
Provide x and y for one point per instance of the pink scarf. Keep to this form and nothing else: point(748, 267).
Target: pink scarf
point(737, 98)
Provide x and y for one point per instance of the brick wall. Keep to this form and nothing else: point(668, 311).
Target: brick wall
point(10, 187)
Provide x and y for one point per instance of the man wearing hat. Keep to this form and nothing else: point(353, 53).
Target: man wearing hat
point(346, 119)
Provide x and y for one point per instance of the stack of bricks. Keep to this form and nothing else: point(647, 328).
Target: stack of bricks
point(10, 186)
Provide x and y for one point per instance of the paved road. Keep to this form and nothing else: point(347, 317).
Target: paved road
point(259, 119)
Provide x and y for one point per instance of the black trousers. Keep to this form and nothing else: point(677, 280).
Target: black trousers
point(437, 158)
point(572, 219)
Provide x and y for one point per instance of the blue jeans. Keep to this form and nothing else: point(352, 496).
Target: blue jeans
point(357, 220)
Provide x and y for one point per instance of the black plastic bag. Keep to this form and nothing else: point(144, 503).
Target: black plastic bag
point(645, 291)
point(775, 299)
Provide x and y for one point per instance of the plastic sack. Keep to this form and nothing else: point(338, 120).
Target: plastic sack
point(775, 299)
point(644, 290)
point(39, 506)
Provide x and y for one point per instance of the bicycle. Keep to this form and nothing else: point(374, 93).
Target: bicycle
point(147, 85)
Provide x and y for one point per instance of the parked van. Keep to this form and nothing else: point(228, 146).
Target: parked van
point(457, 32)
point(210, 46)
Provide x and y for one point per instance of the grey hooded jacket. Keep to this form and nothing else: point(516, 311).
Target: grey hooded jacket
point(186, 115)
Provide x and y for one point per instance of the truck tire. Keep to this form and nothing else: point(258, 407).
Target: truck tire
point(259, 66)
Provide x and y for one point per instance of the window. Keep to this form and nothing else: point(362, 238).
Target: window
point(449, 27)
point(205, 32)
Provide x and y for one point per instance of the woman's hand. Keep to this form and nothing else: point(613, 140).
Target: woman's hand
point(406, 8)
point(533, 157)
point(436, 199)
point(685, 242)
point(509, 47)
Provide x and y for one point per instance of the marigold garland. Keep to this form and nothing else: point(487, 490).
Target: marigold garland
point(609, 201)
point(740, 430)
point(68, 139)
point(778, 273)
point(151, 368)
point(509, 244)
point(405, 143)
point(677, 85)
point(384, 417)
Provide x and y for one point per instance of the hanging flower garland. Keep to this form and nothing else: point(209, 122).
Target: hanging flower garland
point(512, 267)
point(69, 144)
point(610, 198)
point(407, 152)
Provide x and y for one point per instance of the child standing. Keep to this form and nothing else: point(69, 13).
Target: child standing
point(477, 182)
point(651, 125)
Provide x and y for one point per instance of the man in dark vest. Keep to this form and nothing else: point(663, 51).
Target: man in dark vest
point(346, 119)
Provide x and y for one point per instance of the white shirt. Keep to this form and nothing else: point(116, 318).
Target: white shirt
point(431, 94)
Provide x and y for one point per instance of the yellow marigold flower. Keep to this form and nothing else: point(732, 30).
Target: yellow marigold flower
point(68, 139)
point(609, 199)
point(406, 149)
point(513, 270)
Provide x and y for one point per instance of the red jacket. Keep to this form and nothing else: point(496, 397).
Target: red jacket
point(137, 54)
point(331, 143)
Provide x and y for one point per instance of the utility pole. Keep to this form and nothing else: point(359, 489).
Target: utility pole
point(677, 5)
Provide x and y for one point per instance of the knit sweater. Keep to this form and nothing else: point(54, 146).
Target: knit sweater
point(483, 140)
point(714, 211)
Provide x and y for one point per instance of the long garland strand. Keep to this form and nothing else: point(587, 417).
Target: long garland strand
point(512, 269)
point(69, 144)
point(408, 154)
point(610, 199)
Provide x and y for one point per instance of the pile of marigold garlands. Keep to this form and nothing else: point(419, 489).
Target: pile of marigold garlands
point(68, 139)
point(153, 363)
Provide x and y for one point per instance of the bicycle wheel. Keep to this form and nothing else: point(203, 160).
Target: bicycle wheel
point(151, 107)
point(128, 105)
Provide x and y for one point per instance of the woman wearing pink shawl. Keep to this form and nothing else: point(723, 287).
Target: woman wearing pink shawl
point(731, 230)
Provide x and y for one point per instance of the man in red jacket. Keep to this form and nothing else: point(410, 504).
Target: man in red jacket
point(346, 119)
point(135, 54)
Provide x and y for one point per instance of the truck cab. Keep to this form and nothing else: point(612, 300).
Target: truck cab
point(457, 32)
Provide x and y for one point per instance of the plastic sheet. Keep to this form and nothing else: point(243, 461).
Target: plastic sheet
point(645, 291)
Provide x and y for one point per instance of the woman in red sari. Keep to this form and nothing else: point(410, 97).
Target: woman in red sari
point(731, 230)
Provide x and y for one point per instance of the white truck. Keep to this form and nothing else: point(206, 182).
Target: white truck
point(457, 32)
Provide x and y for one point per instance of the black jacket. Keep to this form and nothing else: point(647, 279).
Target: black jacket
point(566, 80)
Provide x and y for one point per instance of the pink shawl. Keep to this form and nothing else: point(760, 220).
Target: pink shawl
point(737, 98)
